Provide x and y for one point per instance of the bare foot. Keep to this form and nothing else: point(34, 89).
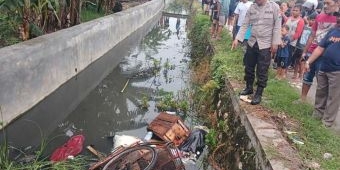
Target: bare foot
point(278, 77)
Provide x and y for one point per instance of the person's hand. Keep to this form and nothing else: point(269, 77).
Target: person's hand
point(273, 49)
point(302, 58)
point(234, 44)
point(281, 13)
point(307, 66)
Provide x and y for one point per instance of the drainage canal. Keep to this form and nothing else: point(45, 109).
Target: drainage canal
point(122, 93)
point(111, 95)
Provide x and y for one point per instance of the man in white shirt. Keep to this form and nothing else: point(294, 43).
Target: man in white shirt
point(240, 13)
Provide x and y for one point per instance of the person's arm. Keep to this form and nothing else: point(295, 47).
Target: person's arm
point(285, 42)
point(277, 29)
point(315, 55)
point(311, 38)
point(298, 30)
point(241, 33)
point(284, 17)
point(319, 50)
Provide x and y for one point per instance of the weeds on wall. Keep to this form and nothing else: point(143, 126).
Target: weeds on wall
point(169, 102)
point(199, 37)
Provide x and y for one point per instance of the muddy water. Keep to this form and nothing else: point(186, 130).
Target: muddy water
point(158, 63)
point(96, 104)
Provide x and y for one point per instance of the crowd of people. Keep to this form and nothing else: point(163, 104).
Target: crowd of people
point(302, 35)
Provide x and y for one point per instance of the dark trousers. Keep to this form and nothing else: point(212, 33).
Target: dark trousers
point(260, 59)
point(294, 55)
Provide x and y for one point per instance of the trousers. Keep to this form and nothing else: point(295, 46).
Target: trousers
point(259, 59)
point(327, 97)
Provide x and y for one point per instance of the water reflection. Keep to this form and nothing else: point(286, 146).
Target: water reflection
point(178, 7)
point(159, 63)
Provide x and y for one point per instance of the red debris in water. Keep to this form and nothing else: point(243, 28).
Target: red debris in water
point(71, 148)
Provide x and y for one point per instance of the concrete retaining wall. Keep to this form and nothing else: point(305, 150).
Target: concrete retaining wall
point(32, 70)
point(272, 151)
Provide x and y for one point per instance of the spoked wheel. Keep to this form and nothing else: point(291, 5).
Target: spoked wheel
point(137, 158)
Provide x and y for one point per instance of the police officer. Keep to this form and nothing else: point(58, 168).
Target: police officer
point(265, 20)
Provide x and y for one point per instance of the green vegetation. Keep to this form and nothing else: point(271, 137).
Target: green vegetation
point(211, 139)
point(279, 96)
point(90, 14)
point(145, 102)
point(21, 20)
point(169, 102)
point(199, 37)
point(178, 6)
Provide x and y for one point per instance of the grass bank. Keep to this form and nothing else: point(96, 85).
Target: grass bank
point(278, 97)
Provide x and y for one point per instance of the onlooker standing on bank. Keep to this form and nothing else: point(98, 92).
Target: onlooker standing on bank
point(328, 91)
point(319, 7)
point(231, 19)
point(223, 16)
point(295, 24)
point(283, 53)
point(206, 7)
point(284, 12)
point(323, 23)
point(308, 9)
point(301, 44)
point(215, 7)
point(240, 13)
point(265, 19)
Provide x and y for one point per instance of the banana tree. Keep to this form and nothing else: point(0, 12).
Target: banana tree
point(107, 5)
point(11, 12)
point(75, 9)
point(27, 15)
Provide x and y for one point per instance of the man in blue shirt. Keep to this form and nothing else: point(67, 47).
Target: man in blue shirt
point(327, 95)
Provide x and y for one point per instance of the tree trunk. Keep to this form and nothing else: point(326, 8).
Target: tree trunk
point(74, 12)
point(62, 14)
point(100, 4)
point(25, 23)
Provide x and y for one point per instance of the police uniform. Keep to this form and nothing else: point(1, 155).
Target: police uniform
point(265, 22)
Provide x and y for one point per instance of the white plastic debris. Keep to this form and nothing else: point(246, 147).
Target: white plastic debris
point(171, 113)
point(124, 140)
point(327, 156)
point(245, 98)
point(148, 136)
point(70, 157)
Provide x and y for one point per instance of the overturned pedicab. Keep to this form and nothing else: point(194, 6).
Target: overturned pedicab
point(158, 153)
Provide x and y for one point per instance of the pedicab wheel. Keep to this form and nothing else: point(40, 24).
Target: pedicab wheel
point(123, 160)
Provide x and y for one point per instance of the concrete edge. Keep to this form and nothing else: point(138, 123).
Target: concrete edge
point(273, 152)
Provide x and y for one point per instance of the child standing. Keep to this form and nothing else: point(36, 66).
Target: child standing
point(301, 44)
point(296, 24)
point(283, 53)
